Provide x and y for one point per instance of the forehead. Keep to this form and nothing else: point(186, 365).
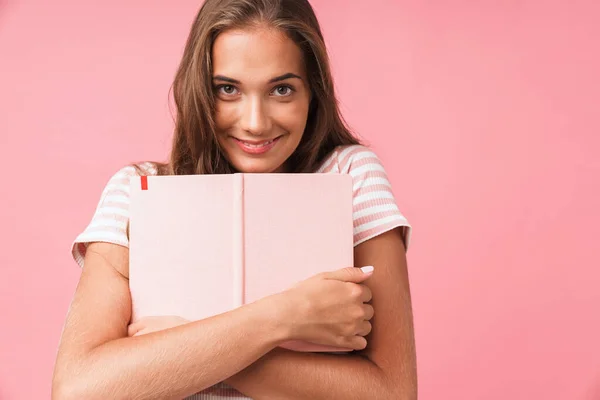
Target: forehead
point(256, 54)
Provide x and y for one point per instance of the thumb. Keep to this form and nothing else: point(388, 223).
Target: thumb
point(351, 274)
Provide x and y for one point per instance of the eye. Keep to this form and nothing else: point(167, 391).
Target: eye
point(283, 91)
point(227, 90)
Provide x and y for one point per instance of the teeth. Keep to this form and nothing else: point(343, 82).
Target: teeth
point(256, 146)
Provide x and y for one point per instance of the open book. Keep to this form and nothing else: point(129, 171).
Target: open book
point(201, 245)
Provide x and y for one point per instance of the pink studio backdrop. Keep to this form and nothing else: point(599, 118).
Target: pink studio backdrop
point(485, 114)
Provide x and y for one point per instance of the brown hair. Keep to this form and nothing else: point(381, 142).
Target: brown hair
point(195, 149)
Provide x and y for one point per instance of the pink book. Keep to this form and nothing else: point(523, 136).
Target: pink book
point(201, 245)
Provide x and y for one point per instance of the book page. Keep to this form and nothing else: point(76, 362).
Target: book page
point(181, 252)
point(296, 225)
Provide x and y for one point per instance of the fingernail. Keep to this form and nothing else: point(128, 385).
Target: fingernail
point(367, 269)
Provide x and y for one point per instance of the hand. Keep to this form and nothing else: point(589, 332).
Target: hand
point(329, 309)
point(152, 324)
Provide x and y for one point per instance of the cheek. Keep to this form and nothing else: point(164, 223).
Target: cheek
point(292, 117)
point(225, 116)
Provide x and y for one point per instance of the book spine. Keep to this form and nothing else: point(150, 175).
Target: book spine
point(238, 240)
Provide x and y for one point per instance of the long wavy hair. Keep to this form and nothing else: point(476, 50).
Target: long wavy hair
point(195, 148)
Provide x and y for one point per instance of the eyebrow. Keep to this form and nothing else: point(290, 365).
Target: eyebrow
point(279, 78)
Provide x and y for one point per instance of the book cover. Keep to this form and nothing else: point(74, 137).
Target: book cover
point(201, 245)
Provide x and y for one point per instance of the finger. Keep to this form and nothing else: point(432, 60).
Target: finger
point(133, 329)
point(357, 343)
point(366, 294)
point(369, 311)
point(350, 274)
point(364, 328)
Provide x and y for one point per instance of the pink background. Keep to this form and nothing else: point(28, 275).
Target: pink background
point(486, 115)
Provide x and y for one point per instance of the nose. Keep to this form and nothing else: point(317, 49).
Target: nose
point(255, 119)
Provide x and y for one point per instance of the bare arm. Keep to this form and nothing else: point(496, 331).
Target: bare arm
point(96, 359)
point(386, 369)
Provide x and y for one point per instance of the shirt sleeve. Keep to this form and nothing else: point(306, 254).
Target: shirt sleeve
point(110, 219)
point(375, 210)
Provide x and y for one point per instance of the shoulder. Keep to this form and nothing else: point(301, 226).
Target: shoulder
point(116, 190)
point(375, 209)
point(110, 220)
point(119, 180)
point(132, 170)
point(351, 159)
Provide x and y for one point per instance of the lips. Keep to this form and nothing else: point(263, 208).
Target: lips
point(256, 147)
point(257, 144)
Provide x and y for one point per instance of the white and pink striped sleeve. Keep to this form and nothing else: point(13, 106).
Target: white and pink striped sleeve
point(375, 207)
point(109, 222)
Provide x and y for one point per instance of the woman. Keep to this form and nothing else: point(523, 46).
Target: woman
point(254, 93)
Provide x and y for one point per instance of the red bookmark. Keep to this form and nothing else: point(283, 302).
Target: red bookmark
point(144, 182)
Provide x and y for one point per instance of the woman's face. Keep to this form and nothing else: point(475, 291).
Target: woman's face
point(262, 98)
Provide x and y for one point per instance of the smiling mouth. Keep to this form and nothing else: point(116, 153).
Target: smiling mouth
point(257, 148)
point(255, 144)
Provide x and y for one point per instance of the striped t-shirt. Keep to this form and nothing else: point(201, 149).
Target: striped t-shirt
point(374, 211)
